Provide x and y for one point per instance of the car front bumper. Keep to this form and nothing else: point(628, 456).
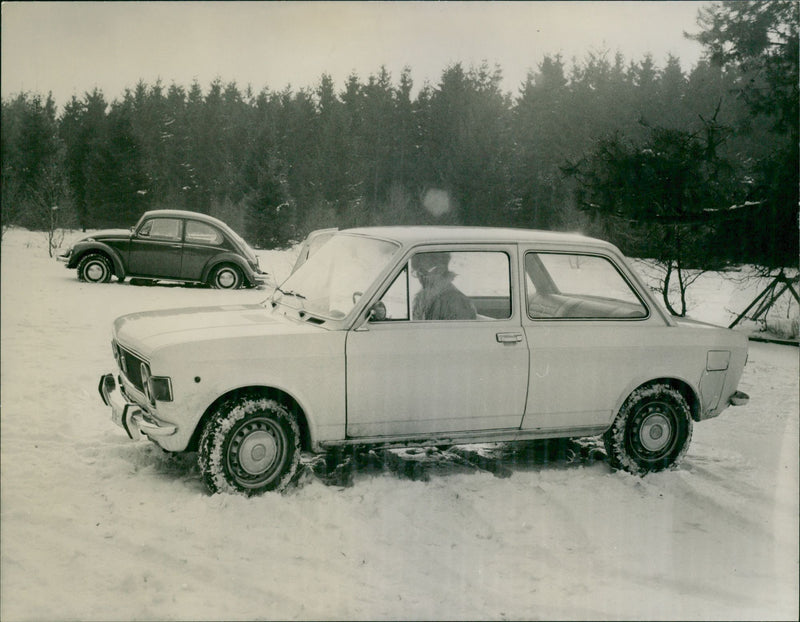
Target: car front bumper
point(129, 415)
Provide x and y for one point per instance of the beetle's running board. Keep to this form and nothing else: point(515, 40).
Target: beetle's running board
point(461, 438)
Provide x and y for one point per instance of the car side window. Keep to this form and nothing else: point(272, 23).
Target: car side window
point(201, 233)
point(395, 300)
point(458, 285)
point(574, 286)
point(162, 229)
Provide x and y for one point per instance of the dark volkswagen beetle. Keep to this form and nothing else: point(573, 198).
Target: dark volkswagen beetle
point(172, 245)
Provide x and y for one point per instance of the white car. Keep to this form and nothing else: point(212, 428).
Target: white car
point(425, 335)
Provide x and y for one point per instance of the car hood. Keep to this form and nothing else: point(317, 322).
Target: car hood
point(107, 234)
point(147, 331)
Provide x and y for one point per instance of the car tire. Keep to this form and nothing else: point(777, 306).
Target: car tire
point(249, 446)
point(225, 277)
point(94, 268)
point(651, 432)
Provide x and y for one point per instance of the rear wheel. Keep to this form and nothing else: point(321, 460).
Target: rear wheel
point(651, 432)
point(225, 277)
point(249, 446)
point(94, 268)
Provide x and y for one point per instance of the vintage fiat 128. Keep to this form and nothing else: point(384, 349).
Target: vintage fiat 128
point(424, 335)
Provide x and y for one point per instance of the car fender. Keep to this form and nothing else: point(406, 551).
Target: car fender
point(695, 403)
point(232, 258)
point(275, 389)
point(322, 403)
point(81, 249)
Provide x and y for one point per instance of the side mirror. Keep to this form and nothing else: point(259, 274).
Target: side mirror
point(377, 312)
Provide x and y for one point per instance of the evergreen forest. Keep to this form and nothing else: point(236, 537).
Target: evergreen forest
point(645, 153)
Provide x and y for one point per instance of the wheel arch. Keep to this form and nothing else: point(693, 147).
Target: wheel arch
point(228, 259)
point(101, 249)
point(680, 385)
point(278, 395)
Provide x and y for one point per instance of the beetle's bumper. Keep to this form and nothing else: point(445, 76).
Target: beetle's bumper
point(129, 415)
point(64, 257)
point(259, 278)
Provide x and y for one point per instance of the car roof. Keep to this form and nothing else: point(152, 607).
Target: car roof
point(452, 234)
point(180, 213)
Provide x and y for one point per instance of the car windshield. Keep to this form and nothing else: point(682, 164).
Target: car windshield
point(333, 279)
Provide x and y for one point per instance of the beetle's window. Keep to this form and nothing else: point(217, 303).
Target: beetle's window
point(162, 229)
point(201, 233)
point(578, 287)
point(460, 285)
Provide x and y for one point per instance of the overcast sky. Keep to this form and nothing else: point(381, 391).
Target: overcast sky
point(70, 48)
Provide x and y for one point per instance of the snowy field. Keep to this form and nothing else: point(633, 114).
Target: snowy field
point(95, 527)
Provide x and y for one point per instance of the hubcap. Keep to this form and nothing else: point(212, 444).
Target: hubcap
point(655, 432)
point(226, 279)
point(255, 452)
point(95, 271)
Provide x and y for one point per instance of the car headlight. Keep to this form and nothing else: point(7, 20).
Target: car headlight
point(155, 387)
point(161, 388)
point(122, 360)
point(145, 374)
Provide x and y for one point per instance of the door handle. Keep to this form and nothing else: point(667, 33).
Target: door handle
point(509, 337)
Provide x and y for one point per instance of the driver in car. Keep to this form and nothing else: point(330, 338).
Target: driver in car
point(438, 299)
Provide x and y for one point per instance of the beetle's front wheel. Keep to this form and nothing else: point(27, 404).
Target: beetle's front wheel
point(95, 268)
point(250, 445)
point(651, 432)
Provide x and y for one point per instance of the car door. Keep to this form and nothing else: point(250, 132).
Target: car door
point(587, 328)
point(408, 374)
point(156, 248)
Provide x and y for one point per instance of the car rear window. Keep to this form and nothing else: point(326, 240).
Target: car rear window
point(573, 286)
point(201, 233)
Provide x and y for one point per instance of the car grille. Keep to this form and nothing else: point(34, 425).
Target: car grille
point(131, 367)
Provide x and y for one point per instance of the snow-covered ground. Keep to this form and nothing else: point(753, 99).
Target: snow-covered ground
point(95, 527)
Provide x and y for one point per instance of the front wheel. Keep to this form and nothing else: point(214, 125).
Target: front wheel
point(94, 268)
point(651, 432)
point(249, 446)
point(225, 277)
